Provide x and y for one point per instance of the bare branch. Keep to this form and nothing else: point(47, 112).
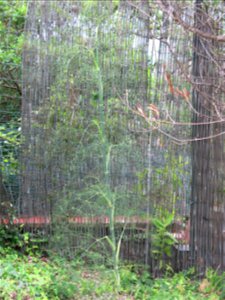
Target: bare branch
point(167, 8)
point(17, 87)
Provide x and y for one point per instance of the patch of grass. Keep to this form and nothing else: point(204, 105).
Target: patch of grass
point(26, 277)
point(35, 278)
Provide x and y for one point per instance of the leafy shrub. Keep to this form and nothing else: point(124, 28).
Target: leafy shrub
point(162, 239)
point(28, 277)
point(13, 237)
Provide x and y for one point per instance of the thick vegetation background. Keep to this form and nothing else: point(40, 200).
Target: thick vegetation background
point(94, 100)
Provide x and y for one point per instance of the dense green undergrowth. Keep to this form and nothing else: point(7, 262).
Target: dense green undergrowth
point(24, 277)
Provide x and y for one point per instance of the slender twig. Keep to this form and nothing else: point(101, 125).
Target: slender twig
point(171, 11)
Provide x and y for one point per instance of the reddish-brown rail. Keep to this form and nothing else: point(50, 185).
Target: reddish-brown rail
point(182, 235)
point(41, 220)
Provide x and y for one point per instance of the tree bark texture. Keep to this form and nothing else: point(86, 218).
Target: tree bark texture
point(207, 207)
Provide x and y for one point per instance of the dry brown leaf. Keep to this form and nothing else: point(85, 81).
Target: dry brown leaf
point(204, 285)
point(154, 109)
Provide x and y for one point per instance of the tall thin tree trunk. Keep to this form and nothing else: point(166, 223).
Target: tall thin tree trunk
point(207, 154)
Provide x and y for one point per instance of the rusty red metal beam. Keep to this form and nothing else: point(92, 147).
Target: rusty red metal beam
point(40, 220)
point(182, 236)
point(76, 220)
